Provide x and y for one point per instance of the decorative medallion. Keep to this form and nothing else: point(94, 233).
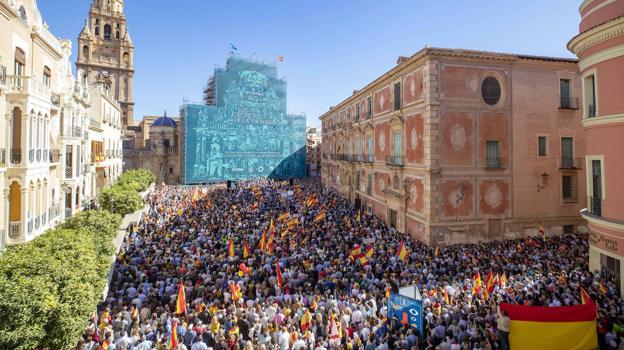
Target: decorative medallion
point(413, 194)
point(382, 141)
point(413, 139)
point(458, 137)
point(493, 196)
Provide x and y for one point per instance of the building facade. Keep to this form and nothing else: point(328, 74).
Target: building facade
point(105, 49)
point(105, 148)
point(457, 146)
point(45, 137)
point(313, 151)
point(155, 146)
point(600, 48)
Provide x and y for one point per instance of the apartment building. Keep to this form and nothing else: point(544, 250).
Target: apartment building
point(313, 151)
point(455, 146)
point(600, 48)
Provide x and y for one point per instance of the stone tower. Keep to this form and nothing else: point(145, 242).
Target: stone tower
point(106, 52)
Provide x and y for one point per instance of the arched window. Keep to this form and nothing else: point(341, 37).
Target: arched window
point(85, 51)
point(107, 32)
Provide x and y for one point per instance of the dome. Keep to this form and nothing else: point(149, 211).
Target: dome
point(165, 121)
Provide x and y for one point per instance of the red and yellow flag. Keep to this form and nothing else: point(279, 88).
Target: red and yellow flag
point(271, 244)
point(476, 283)
point(246, 250)
point(437, 251)
point(282, 217)
point(235, 290)
point(280, 280)
point(541, 231)
point(320, 217)
point(503, 281)
point(263, 242)
point(489, 284)
point(254, 206)
point(173, 337)
point(230, 247)
point(402, 251)
point(358, 216)
point(181, 300)
point(542, 327)
point(292, 222)
point(105, 344)
point(585, 298)
point(446, 297)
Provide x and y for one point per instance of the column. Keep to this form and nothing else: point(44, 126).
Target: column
point(24, 224)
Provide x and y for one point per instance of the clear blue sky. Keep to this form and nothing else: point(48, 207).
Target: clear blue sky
point(331, 46)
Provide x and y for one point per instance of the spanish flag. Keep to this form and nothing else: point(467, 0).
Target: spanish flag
point(476, 283)
point(282, 217)
point(503, 281)
point(181, 300)
point(447, 301)
point(173, 337)
point(280, 280)
point(246, 251)
point(542, 232)
point(270, 244)
point(230, 247)
point(553, 328)
point(320, 217)
point(263, 242)
point(105, 344)
point(603, 289)
point(489, 284)
point(402, 251)
point(585, 298)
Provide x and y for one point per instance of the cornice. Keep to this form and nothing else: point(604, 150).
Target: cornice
point(6, 10)
point(603, 120)
point(594, 36)
point(37, 38)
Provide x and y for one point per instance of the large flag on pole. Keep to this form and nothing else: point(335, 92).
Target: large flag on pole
point(402, 251)
point(280, 280)
point(553, 328)
point(173, 337)
point(230, 247)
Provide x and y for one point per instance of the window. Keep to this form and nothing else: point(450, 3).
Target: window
point(369, 106)
point(596, 187)
point(589, 89)
point(369, 185)
point(107, 32)
point(567, 154)
point(542, 146)
point(491, 90)
point(396, 149)
point(170, 170)
point(47, 74)
point(369, 148)
point(97, 31)
point(493, 160)
point(397, 96)
point(568, 188)
point(20, 63)
point(357, 112)
point(565, 101)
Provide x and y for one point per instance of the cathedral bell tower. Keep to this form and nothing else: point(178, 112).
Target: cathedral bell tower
point(105, 51)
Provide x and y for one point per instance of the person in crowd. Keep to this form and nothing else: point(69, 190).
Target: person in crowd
point(270, 265)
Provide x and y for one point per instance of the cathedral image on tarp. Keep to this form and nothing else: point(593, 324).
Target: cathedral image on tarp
point(245, 132)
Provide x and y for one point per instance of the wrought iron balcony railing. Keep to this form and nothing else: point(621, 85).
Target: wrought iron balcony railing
point(595, 206)
point(570, 163)
point(395, 160)
point(568, 102)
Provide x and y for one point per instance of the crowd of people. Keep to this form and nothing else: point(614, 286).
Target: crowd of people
point(270, 265)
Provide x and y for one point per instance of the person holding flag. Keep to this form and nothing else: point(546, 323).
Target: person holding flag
point(181, 300)
point(402, 252)
point(278, 272)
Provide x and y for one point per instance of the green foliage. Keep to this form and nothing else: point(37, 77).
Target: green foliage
point(123, 197)
point(49, 287)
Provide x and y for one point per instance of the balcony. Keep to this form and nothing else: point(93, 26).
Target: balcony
point(68, 131)
point(37, 222)
point(168, 150)
point(95, 124)
point(591, 111)
point(16, 155)
point(570, 163)
point(19, 84)
point(97, 157)
point(343, 157)
point(595, 206)
point(69, 172)
point(38, 155)
point(395, 160)
point(356, 158)
point(15, 229)
point(369, 158)
point(568, 102)
point(494, 163)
